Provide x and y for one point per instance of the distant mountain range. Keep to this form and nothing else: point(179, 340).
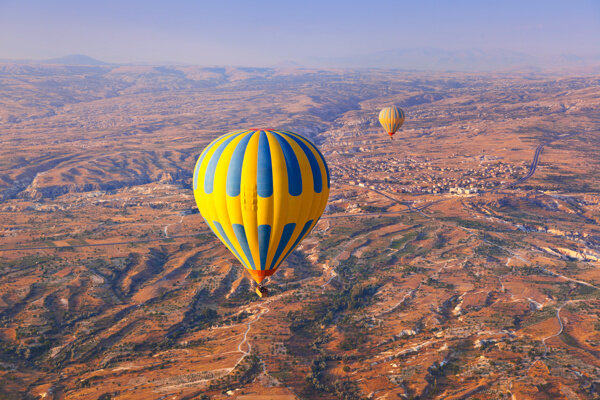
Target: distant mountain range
point(462, 60)
point(71, 59)
point(431, 59)
point(74, 59)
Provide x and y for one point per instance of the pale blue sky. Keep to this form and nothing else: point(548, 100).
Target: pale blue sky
point(272, 31)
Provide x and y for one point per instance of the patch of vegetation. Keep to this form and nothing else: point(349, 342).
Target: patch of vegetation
point(319, 384)
point(333, 209)
point(438, 371)
point(341, 234)
point(538, 316)
point(243, 297)
point(354, 336)
point(19, 353)
point(303, 267)
point(569, 340)
point(323, 313)
point(586, 291)
point(400, 243)
point(25, 262)
point(571, 266)
point(237, 318)
point(205, 237)
point(408, 270)
point(580, 183)
point(529, 270)
point(491, 251)
point(438, 284)
point(351, 268)
point(196, 318)
point(373, 209)
point(469, 224)
point(244, 373)
point(440, 241)
point(497, 240)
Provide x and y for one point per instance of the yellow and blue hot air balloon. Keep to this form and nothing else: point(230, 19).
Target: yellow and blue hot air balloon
point(391, 118)
point(261, 192)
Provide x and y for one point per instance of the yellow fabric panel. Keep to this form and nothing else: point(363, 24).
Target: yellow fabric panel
point(220, 199)
point(206, 203)
point(212, 208)
point(205, 206)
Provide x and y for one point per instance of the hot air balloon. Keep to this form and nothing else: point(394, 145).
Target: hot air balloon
point(391, 118)
point(261, 191)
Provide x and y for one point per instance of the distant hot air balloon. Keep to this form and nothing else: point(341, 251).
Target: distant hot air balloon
point(391, 118)
point(261, 192)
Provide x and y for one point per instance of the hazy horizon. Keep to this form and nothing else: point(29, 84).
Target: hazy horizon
point(309, 33)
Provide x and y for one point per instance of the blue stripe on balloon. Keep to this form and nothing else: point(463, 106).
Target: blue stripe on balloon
point(195, 178)
point(264, 176)
point(264, 236)
point(199, 163)
point(324, 164)
point(234, 173)
point(212, 164)
point(319, 153)
point(291, 163)
point(299, 238)
point(227, 241)
point(285, 238)
point(240, 234)
point(314, 164)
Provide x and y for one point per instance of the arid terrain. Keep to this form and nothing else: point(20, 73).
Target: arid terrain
point(460, 260)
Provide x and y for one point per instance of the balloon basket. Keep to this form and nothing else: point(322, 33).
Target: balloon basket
point(262, 291)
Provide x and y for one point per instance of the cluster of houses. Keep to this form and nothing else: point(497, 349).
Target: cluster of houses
point(418, 176)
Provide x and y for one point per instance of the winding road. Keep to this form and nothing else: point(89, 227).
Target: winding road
point(562, 327)
point(560, 323)
point(532, 167)
point(535, 161)
point(171, 224)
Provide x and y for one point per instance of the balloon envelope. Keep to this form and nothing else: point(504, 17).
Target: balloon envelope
point(261, 192)
point(391, 118)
